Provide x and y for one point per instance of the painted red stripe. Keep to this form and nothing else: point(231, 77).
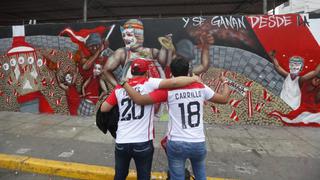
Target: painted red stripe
point(249, 98)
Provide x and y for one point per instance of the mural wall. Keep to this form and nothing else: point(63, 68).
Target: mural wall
point(272, 64)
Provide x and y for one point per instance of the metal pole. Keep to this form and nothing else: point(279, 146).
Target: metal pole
point(265, 7)
point(274, 7)
point(84, 10)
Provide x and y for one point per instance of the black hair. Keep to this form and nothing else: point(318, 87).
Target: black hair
point(135, 71)
point(179, 66)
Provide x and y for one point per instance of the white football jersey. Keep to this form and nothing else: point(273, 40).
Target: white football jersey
point(135, 121)
point(185, 107)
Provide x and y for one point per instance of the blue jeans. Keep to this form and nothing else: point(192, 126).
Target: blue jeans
point(141, 153)
point(178, 152)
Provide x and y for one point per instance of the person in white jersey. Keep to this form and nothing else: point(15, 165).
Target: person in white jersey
point(290, 92)
point(186, 139)
point(135, 127)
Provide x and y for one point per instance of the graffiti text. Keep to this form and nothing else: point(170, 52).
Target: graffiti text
point(228, 22)
point(196, 21)
point(270, 21)
point(237, 87)
point(303, 21)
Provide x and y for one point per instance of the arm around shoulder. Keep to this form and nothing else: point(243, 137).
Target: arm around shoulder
point(221, 98)
point(178, 82)
point(136, 96)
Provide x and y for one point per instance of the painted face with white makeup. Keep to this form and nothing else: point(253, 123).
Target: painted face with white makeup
point(132, 34)
point(97, 70)
point(295, 65)
point(68, 78)
point(129, 38)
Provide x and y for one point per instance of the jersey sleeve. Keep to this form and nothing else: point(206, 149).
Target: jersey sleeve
point(159, 95)
point(153, 83)
point(208, 92)
point(112, 98)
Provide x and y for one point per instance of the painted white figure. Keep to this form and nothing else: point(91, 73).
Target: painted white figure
point(291, 93)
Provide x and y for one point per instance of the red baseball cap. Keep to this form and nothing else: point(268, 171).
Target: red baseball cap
point(140, 65)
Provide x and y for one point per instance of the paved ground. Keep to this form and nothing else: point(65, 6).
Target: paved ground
point(8, 175)
point(241, 152)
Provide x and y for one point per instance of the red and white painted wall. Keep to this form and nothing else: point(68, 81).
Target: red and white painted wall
point(45, 69)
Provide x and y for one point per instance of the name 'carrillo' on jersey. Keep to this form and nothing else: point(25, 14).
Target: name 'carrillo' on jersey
point(183, 95)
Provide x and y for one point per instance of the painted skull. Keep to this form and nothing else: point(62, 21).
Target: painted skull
point(295, 65)
point(97, 70)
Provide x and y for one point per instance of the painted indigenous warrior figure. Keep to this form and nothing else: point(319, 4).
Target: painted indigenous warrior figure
point(132, 34)
point(92, 48)
point(95, 46)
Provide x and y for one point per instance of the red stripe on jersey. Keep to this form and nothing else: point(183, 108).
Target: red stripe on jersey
point(112, 99)
point(159, 95)
point(133, 82)
point(170, 124)
point(149, 123)
point(117, 87)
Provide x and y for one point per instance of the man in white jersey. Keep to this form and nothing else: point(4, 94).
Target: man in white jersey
point(135, 127)
point(186, 139)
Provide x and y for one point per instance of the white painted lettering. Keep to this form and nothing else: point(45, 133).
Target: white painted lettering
point(186, 21)
point(287, 20)
point(270, 21)
point(198, 21)
point(214, 21)
point(228, 22)
point(263, 22)
point(254, 20)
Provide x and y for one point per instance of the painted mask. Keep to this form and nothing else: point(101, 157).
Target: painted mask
point(97, 70)
point(295, 65)
point(129, 37)
point(68, 78)
point(132, 33)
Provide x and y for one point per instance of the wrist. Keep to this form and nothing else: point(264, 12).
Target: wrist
point(122, 83)
point(194, 79)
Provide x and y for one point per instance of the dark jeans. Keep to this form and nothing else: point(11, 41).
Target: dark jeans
point(141, 153)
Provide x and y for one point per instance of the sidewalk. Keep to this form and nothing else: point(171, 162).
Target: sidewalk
point(238, 152)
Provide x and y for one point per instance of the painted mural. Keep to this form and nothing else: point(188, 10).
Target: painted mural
point(272, 64)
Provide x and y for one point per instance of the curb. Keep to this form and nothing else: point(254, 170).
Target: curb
point(68, 169)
